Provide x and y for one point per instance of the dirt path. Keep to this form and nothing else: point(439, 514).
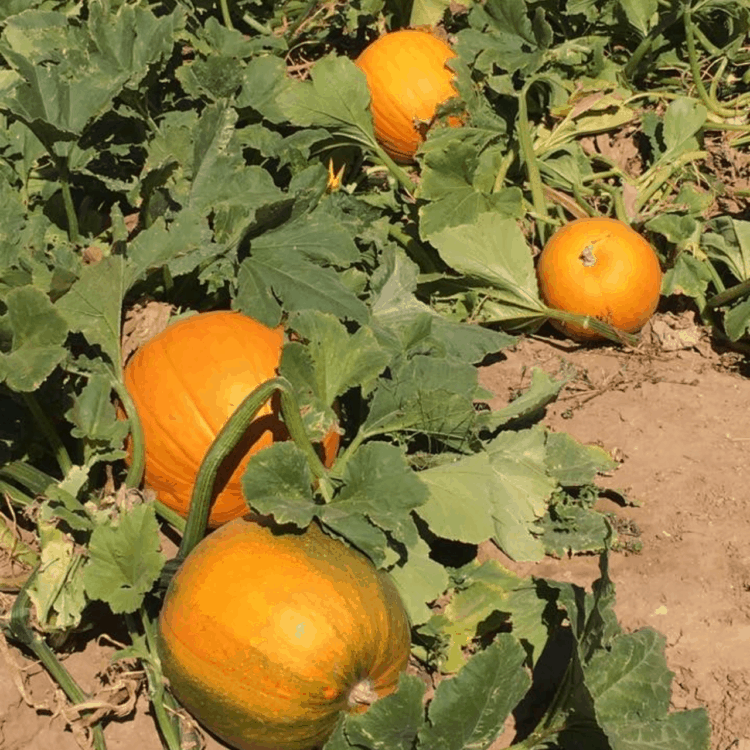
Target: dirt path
point(679, 422)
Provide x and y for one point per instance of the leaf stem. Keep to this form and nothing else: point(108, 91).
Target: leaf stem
point(710, 103)
point(138, 461)
point(532, 168)
point(729, 295)
point(225, 14)
point(21, 630)
point(45, 427)
point(227, 439)
point(167, 721)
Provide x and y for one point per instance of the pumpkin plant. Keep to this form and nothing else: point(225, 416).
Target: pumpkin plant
point(185, 383)
point(408, 78)
point(267, 634)
point(602, 268)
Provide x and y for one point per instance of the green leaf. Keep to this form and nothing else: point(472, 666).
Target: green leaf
point(688, 276)
point(542, 391)
point(468, 710)
point(428, 395)
point(124, 560)
point(390, 723)
point(572, 463)
point(493, 251)
point(682, 121)
point(737, 320)
point(641, 13)
point(379, 484)
point(496, 494)
point(93, 305)
point(278, 481)
point(316, 236)
point(338, 360)
point(488, 590)
point(570, 528)
point(67, 75)
point(427, 12)
point(336, 97)
point(300, 285)
point(420, 581)
point(37, 331)
point(448, 184)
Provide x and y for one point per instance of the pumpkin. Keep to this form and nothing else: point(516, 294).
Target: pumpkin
point(267, 635)
point(186, 382)
point(408, 78)
point(602, 268)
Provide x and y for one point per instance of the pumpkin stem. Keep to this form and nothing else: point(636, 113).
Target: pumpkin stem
point(587, 256)
point(362, 694)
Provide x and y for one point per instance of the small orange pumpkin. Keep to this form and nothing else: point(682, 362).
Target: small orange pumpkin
point(186, 382)
point(600, 267)
point(408, 78)
point(266, 637)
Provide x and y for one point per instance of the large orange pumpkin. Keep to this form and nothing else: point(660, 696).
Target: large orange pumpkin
point(602, 268)
point(408, 78)
point(266, 637)
point(186, 382)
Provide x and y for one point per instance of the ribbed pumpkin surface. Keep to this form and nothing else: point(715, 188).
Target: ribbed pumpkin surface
point(186, 382)
point(408, 78)
point(263, 635)
point(602, 268)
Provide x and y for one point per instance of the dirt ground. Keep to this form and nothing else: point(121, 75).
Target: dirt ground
point(675, 414)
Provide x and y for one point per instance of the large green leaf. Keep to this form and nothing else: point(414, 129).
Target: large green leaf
point(37, 332)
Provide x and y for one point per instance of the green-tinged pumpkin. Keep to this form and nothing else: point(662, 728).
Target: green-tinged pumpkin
point(408, 78)
point(266, 635)
point(186, 382)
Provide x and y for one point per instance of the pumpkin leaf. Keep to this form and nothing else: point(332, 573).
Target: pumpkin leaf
point(277, 481)
point(336, 97)
point(400, 317)
point(124, 560)
point(300, 285)
point(420, 580)
point(57, 590)
point(337, 360)
point(379, 484)
point(448, 184)
point(37, 332)
point(572, 463)
point(93, 306)
point(542, 391)
point(497, 494)
point(425, 394)
point(90, 63)
point(390, 723)
point(487, 594)
point(493, 251)
point(468, 710)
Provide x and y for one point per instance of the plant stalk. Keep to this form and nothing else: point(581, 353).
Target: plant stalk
point(227, 439)
point(21, 630)
point(532, 168)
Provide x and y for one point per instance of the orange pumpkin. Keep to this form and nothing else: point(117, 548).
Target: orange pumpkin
point(266, 637)
point(186, 382)
point(408, 78)
point(602, 268)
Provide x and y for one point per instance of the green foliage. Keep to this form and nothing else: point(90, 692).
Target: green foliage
point(182, 153)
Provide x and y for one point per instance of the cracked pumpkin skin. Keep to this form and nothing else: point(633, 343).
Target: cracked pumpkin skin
point(602, 268)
